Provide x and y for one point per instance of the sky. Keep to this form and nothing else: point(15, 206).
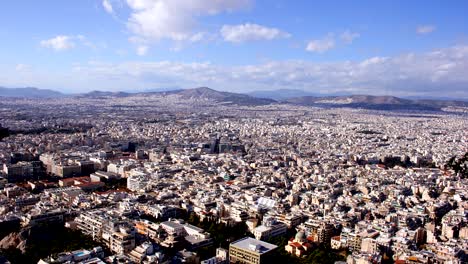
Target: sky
point(400, 48)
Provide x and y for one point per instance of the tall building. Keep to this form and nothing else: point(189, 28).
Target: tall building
point(19, 172)
point(66, 170)
point(251, 251)
point(420, 236)
point(324, 233)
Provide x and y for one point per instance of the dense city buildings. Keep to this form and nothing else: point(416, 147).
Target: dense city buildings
point(170, 179)
point(233, 132)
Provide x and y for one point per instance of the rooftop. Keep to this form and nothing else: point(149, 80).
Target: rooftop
point(252, 244)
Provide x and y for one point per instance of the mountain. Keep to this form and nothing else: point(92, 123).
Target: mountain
point(259, 98)
point(29, 92)
point(154, 90)
point(438, 98)
point(223, 97)
point(201, 93)
point(442, 103)
point(374, 102)
point(280, 94)
point(346, 100)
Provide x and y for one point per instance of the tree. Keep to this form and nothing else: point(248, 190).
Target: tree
point(459, 165)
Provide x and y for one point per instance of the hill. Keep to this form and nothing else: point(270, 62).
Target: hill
point(222, 97)
point(285, 96)
point(201, 93)
point(374, 102)
point(29, 92)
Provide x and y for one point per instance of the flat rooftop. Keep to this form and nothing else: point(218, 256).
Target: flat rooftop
point(252, 244)
point(262, 228)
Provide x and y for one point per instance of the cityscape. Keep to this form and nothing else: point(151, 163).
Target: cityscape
point(351, 154)
point(169, 178)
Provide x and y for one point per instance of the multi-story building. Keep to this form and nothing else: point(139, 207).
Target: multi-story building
point(194, 236)
point(320, 231)
point(324, 233)
point(270, 228)
point(251, 251)
point(19, 172)
point(369, 245)
point(148, 228)
point(103, 176)
point(87, 167)
point(91, 223)
point(139, 253)
point(137, 181)
point(291, 220)
point(354, 242)
point(38, 216)
point(222, 257)
point(117, 233)
point(66, 170)
point(120, 236)
point(162, 212)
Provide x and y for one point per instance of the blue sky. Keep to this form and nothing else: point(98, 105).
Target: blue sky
point(404, 48)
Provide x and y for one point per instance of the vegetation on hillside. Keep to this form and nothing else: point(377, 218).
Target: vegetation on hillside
point(459, 165)
point(45, 240)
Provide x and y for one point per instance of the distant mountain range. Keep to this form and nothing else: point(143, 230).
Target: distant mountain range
point(287, 96)
point(29, 92)
point(375, 102)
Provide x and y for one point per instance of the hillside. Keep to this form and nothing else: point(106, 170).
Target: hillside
point(29, 92)
point(374, 102)
point(222, 97)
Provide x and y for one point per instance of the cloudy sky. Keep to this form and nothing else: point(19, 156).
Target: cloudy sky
point(403, 48)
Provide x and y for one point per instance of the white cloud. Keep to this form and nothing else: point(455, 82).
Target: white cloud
point(373, 61)
point(251, 32)
point(142, 50)
point(197, 37)
point(174, 19)
point(58, 43)
point(66, 42)
point(348, 37)
point(401, 75)
point(107, 6)
point(425, 29)
point(20, 67)
point(440, 72)
point(328, 42)
point(321, 45)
